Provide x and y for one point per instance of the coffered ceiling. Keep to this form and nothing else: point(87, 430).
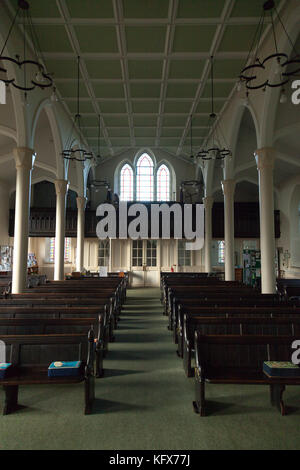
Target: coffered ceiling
point(145, 64)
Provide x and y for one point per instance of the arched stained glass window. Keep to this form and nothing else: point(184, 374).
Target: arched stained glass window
point(126, 183)
point(163, 183)
point(144, 178)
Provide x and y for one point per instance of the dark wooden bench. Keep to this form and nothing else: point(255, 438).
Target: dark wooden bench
point(69, 300)
point(203, 290)
point(235, 359)
point(218, 300)
point(28, 325)
point(230, 310)
point(194, 283)
point(46, 311)
point(31, 356)
point(233, 325)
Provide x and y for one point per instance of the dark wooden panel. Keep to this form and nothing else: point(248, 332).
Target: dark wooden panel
point(246, 221)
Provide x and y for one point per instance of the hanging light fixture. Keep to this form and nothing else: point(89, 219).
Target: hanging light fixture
point(214, 152)
point(191, 136)
point(98, 156)
point(193, 185)
point(257, 74)
point(96, 184)
point(79, 154)
point(33, 71)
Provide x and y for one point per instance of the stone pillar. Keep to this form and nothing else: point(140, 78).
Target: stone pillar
point(208, 203)
point(228, 187)
point(265, 164)
point(81, 203)
point(24, 158)
point(61, 188)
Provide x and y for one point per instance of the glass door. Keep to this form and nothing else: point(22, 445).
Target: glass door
point(144, 262)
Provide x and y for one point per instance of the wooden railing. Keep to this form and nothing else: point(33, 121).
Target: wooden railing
point(246, 221)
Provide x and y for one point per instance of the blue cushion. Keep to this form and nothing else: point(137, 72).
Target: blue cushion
point(64, 369)
point(4, 366)
point(281, 369)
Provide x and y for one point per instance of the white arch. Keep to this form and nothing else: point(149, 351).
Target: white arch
point(55, 131)
point(9, 132)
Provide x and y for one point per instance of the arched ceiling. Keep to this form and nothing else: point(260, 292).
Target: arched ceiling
point(145, 65)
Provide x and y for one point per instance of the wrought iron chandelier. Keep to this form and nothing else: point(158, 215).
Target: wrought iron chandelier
point(257, 74)
point(34, 73)
point(187, 185)
point(214, 152)
point(79, 154)
point(98, 156)
point(96, 184)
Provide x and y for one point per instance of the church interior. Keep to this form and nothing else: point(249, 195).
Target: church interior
point(137, 341)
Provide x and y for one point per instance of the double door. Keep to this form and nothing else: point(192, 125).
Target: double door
point(144, 263)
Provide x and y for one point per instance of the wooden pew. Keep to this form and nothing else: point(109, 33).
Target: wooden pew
point(219, 300)
point(191, 284)
point(204, 290)
point(234, 325)
point(56, 311)
point(30, 365)
point(28, 325)
point(236, 359)
point(231, 309)
point(68, 300)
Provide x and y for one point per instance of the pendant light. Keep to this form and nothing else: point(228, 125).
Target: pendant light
point(79, 154)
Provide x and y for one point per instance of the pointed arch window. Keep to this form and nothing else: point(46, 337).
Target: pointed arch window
point(163, 183)
point(144, 178)
point(126, 183)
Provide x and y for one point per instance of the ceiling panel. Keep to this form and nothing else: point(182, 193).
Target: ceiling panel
point(104, 70)
point(97, 39)
point(90, 9)
point(145, 68)
point(145, 38)
point(193, 38)
point(200, 9)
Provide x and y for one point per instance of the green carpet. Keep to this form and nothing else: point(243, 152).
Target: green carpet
point(145, 401)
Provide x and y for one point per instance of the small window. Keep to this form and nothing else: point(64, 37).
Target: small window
point(151, 252)
point(137, 252)
point(163, 183)
point(103, 253)
point(126, 183)
point(221, 252)
point(184, 256)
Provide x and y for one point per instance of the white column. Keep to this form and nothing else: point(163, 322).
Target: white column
point(81, 203)
point(265, 164)
point(208, 203)
point(228, 187)
point(24, 158)
point(61, 187)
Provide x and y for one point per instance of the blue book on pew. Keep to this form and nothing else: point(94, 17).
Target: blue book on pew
point(281, 369)
point(64, 369)
point(4, 366)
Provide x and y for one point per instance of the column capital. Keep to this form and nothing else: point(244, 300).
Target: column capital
point(24, 157)
point(228, 187)
point(61, 186)
point(208, 202)
point(81, 202)
point(265, 157)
